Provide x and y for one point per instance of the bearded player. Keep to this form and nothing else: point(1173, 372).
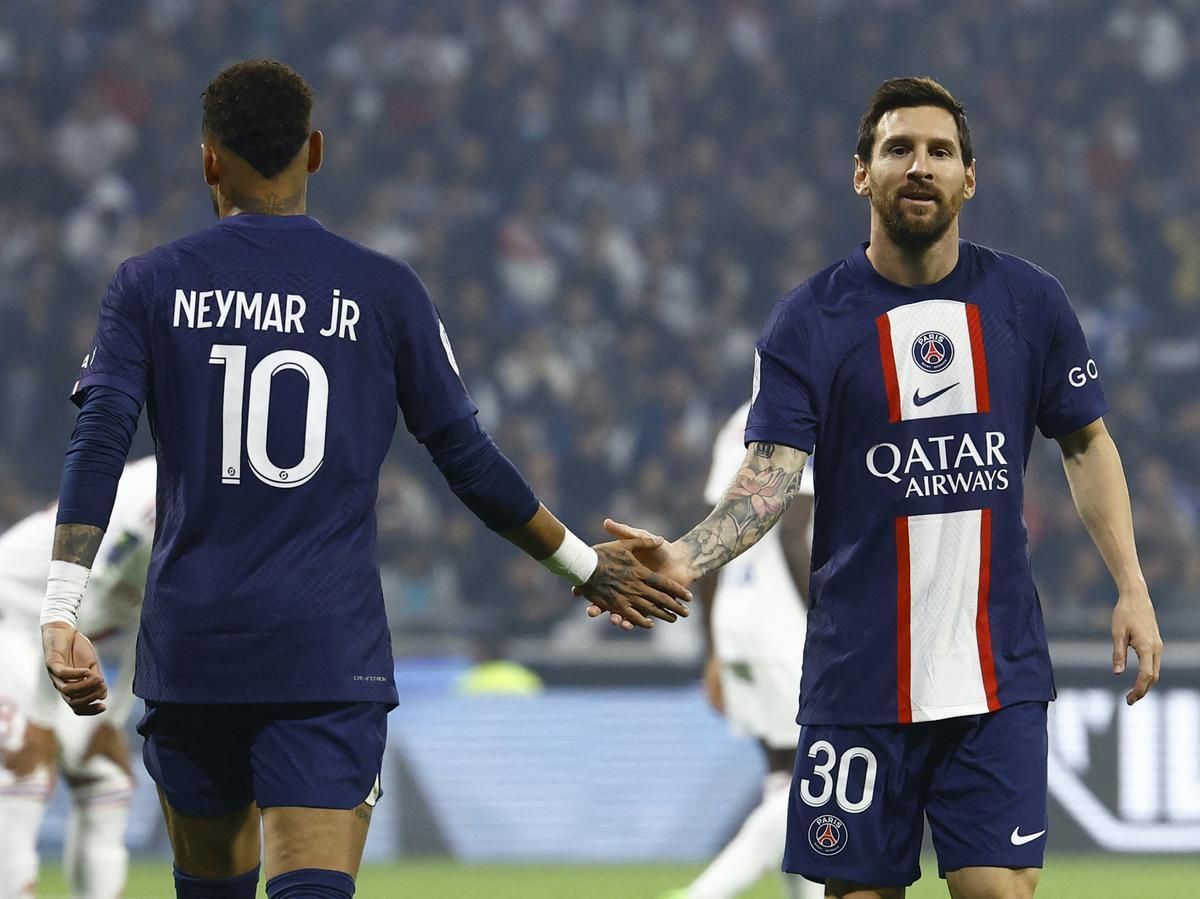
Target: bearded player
point(38, 732)
point(920, 365)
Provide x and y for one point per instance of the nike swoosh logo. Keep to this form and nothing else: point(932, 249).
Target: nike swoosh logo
point(919, 400)
point(1020, 839)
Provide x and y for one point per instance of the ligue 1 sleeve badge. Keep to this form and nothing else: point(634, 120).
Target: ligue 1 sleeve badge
point(933, 352)
point(827, 835)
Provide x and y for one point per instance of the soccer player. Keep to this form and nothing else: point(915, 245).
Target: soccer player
point(272, 355)
point(920, 366)
point(36, 728)
point(755, 623)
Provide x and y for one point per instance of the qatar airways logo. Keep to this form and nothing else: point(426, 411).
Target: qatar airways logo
point(942, 466)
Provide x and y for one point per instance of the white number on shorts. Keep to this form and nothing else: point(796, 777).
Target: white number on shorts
point(233, 358)
point(824, 769)
point(868, 790)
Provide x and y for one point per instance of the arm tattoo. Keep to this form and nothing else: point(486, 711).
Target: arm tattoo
point(764, 487)
point(77, 543)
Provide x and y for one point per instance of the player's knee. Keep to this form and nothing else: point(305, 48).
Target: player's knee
point(214, 848)
point(99, 780)
point(311, 883)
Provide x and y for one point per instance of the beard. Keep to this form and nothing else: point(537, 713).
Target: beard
point(912, 232)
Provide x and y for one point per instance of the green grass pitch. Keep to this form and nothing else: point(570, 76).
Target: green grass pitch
point(1065, 877)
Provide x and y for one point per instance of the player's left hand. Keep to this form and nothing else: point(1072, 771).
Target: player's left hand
point(74, 668)
point(1134, 624)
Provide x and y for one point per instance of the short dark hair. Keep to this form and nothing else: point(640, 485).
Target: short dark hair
point(900, 93)
point(260, 110)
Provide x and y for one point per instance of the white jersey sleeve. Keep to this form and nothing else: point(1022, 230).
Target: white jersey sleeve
point(117, 584)
point(24, 564)
point(728, 452)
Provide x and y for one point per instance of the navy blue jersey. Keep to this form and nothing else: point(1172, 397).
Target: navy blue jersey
point(272, 356)
point(922, 404)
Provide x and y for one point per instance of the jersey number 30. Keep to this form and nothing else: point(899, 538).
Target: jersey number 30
point(233, 357)
point(824, 771)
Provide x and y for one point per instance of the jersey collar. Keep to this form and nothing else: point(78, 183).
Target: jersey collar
point(945, 287)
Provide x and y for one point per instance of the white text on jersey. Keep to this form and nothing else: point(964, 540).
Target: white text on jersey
point(942, 465)
point(262, 312)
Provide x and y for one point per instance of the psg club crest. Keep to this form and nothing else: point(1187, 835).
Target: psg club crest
point(827, 835)
point(933, 352)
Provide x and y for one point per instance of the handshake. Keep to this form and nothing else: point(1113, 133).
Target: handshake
point(638, 577)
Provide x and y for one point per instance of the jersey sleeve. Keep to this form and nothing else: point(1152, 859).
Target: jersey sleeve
point(120, 353)
point(1071, 393)
point(429, 389)
point(783, 409)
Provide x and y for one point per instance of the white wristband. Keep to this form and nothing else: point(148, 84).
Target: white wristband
point(573, 560)
point(64, 592)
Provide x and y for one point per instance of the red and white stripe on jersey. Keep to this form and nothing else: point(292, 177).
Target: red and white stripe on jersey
point(962, 386)
point(944, 662)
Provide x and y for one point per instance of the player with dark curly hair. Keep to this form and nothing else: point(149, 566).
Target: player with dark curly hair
point(272, 355)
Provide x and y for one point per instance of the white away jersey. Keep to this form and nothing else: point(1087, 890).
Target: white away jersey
point(118, 579)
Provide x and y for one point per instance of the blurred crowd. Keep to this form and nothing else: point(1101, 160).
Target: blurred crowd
point(605, 200)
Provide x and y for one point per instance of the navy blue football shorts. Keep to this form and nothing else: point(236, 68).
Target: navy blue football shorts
point(860, 794)
point(211, 760)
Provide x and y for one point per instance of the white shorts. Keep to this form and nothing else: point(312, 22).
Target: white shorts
point(20, 666)
point(27, 695)
point(762, 698)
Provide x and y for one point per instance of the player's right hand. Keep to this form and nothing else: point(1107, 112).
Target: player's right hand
point(74, 668)
point(632, 593)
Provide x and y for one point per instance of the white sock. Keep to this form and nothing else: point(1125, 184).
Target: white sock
point(755, 849)
point(796, 887)
point(22, 804)
point(95, 860)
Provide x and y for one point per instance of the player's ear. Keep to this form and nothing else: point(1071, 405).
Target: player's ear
point(316, 151)
point(862, 185)
point(969, 187)
point(212, 165)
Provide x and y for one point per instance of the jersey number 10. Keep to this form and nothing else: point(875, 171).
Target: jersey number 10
point(233, 357)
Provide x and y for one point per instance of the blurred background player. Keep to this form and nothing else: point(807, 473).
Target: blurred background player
point(754, 623)
point(273, 356)
point(922, 364)
point(38, 728)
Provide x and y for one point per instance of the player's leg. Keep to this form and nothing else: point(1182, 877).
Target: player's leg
point(995, 763)
point(760, 699)
point(27, 754)
point(756, 848)
point(199, 756)
point(314, 851)
point(316, 777)
point(993, 883)
point(855, 812)
point(95, 765)
point(26, 781)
